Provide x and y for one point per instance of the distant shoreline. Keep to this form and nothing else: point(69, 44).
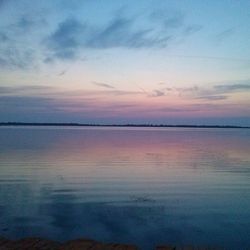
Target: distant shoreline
point(117, 125)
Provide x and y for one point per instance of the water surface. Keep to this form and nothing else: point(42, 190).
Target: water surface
point(144, 186)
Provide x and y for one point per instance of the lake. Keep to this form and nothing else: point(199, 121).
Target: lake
point(144, 186)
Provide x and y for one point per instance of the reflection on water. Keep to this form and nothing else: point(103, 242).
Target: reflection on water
point(144, 186)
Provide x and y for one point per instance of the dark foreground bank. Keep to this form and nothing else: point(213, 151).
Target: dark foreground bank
point(79, 244)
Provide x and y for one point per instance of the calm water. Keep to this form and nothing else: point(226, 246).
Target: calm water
point(144, 186)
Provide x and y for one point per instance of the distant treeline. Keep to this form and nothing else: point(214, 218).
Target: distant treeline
point(115, 125)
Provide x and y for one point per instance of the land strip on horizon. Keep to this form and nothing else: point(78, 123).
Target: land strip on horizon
point(116, 125)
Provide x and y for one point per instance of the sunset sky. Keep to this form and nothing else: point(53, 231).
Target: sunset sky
point(103, 61)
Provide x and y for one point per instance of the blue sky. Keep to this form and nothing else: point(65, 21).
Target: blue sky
point(125, 61)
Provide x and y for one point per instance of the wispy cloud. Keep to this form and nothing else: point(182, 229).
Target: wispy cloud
point(71, 35)
point(213, 91)
point(62, 73)
point(212, 97)
point(224, 35)
point(157, 93)
point(13, 57)
point(120, 33)
point(188, 89)
point(41, 102)
point(191, 29)
point(19, 102)
point(66, 39)
point(16, 49)
point(196, 107)
point(107, 93)
point(105, 85)
point(25, 89)
point(169, 20)
point(227, 88)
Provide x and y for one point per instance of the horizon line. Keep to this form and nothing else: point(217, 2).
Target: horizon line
point(75, 124)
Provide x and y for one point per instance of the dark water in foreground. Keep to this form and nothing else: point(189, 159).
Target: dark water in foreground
point(145, 186)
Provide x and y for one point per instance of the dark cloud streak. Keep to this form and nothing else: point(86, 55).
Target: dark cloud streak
point(105, 85)
point(213, 97)
point(72, 35)
point(11, 90)
point(158, 93)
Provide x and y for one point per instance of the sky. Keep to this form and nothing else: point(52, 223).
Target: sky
point(145, 61)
